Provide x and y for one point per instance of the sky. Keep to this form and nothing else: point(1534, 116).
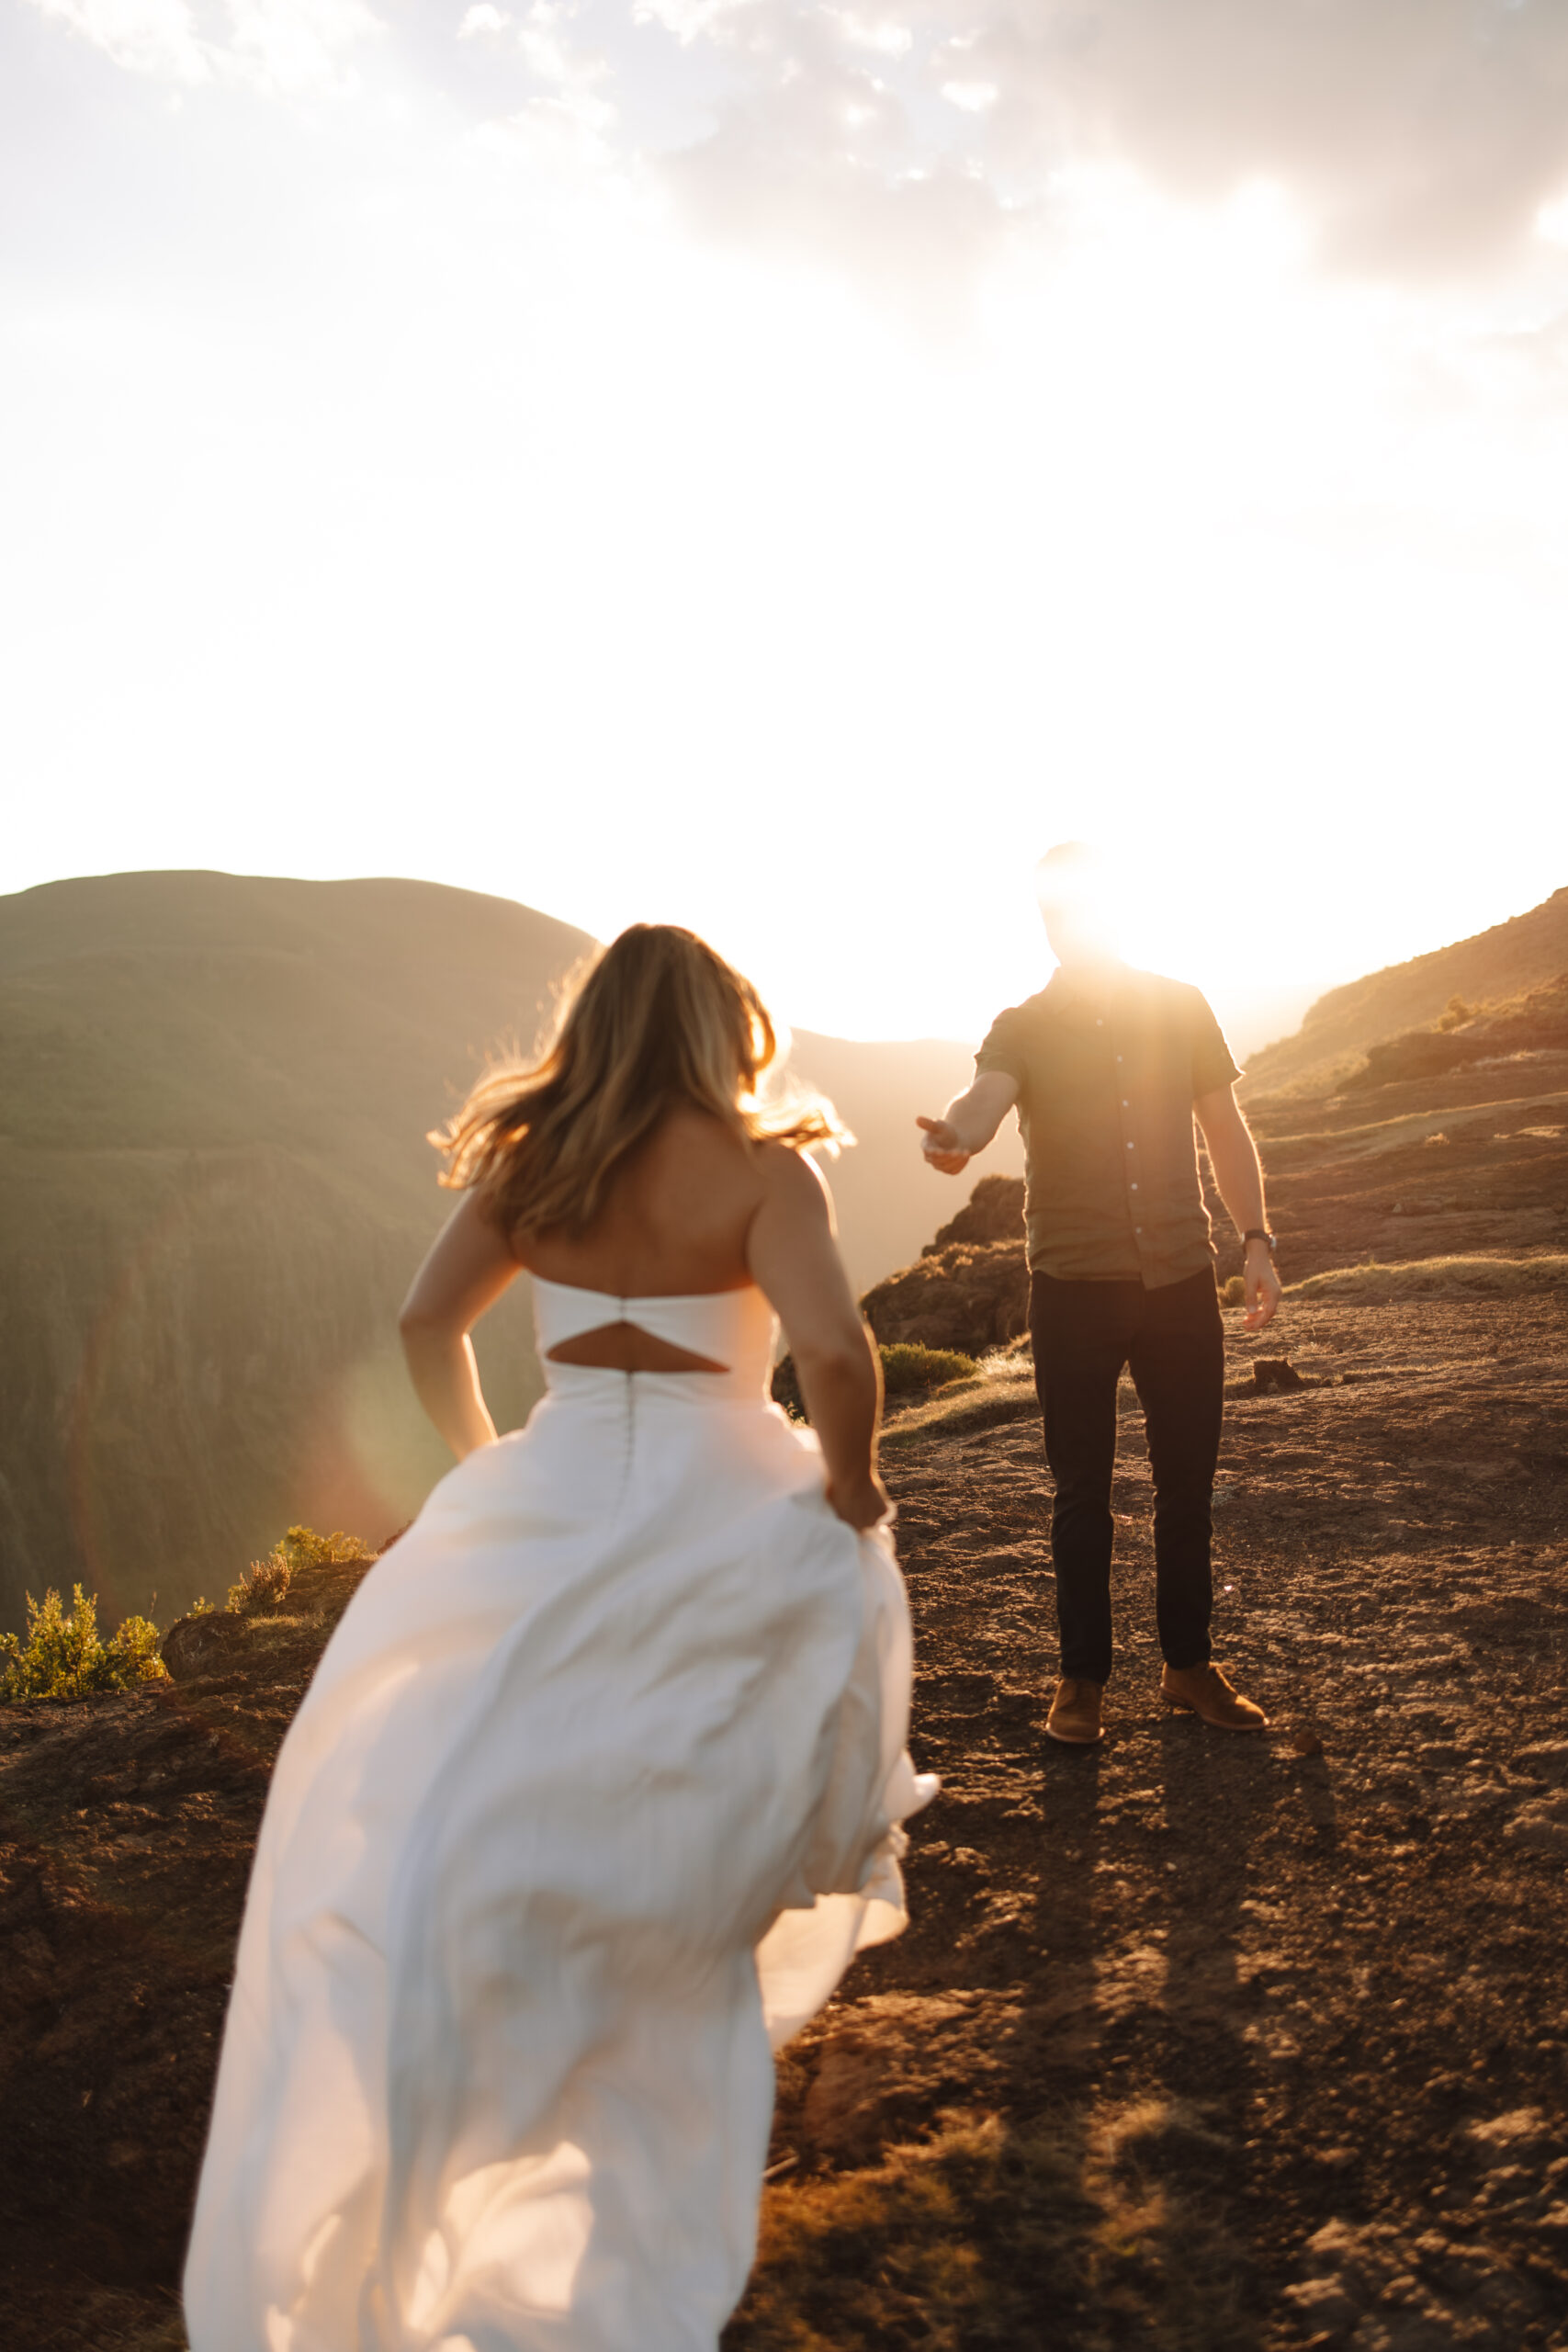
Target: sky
point(777, 468)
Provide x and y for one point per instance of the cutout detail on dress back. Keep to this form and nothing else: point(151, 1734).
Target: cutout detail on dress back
point(666, 1356)
point(714, 1332)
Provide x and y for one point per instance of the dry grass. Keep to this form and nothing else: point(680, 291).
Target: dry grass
point(1459, 1277)
point(991, 2238)
point(983, 1402)
point(912, 1370)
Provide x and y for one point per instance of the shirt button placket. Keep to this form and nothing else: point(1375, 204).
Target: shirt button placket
point(1132, 1146)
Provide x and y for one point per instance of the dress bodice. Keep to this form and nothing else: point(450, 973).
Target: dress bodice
point(736, 1328)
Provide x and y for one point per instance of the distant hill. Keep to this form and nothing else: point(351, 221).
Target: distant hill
point(1338, 1031)
point(214, 1188)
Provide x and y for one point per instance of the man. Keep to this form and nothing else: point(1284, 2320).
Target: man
point(1107, 1068)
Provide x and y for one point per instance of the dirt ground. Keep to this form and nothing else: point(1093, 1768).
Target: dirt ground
point(1286, 2031)
point(1193, 2041)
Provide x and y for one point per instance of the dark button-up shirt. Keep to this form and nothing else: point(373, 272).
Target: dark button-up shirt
point(1106, 1085)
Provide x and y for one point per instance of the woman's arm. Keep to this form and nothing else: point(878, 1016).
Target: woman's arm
point(794, 1261)
point(468, 1266)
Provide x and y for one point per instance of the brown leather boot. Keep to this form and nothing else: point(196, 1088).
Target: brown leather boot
point(1203, 1691)
point(1074, 1718)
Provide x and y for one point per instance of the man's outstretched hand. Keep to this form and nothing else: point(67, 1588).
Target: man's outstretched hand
point(942, 1147)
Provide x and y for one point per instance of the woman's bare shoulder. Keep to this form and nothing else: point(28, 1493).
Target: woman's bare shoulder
point(791, 1178)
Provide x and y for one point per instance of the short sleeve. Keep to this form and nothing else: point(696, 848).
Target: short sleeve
point(1213, 1065)
point(1005, 1047)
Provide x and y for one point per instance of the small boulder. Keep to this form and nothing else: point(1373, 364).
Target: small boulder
point(197, 1646)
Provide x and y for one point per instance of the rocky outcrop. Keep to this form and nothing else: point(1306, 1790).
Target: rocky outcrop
point(1527, 1026)
point(967, 1298)
point(994, 1212)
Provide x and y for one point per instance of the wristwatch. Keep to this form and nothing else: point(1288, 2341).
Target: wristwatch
point(1259, 1233)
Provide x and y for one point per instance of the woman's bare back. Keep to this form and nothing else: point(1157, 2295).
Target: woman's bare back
point(676, 1223)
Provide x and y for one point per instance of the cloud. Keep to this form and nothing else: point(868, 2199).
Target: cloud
point(826, 142)
point(1417, 135)
point(1415, 139)
point(269, 45)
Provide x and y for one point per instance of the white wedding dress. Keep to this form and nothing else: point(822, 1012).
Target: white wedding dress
point(596, 1789)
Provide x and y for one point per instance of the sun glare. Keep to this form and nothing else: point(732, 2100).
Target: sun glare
point(564, 553)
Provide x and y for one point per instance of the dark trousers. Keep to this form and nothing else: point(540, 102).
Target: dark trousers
point(1172, 1342)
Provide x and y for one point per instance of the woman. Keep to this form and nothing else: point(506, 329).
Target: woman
point(598, 1783)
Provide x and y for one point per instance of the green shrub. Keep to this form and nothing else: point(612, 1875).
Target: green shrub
point(64, 1656)
point(265, 1583)
point(1235, 1292)
point(907, 1369)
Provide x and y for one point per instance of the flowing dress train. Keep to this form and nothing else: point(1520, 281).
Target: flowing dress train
point(595, 1794)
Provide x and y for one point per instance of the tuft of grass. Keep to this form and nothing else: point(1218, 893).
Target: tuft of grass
point(1235, 1292)
point(988, 2238)
point(265, 1583)
point(1455, 1277)
point(64, 1656)
point(909, 1369)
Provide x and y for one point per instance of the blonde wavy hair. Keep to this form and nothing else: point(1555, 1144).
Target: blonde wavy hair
point(656, 1019)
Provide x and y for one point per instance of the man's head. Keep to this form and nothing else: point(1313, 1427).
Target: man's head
point(1074, 890)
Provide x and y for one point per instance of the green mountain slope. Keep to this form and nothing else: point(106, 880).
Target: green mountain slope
point(214, 1187)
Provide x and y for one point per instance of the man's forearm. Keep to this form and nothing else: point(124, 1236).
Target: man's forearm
point(1238, 1178)
point(976, 1113)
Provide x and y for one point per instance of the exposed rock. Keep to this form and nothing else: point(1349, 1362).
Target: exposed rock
point(197, 1646)
point(1275, 1376)
point(971, 1297)
point(994, 1212)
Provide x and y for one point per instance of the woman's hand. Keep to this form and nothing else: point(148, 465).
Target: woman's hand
point(861, 1502)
